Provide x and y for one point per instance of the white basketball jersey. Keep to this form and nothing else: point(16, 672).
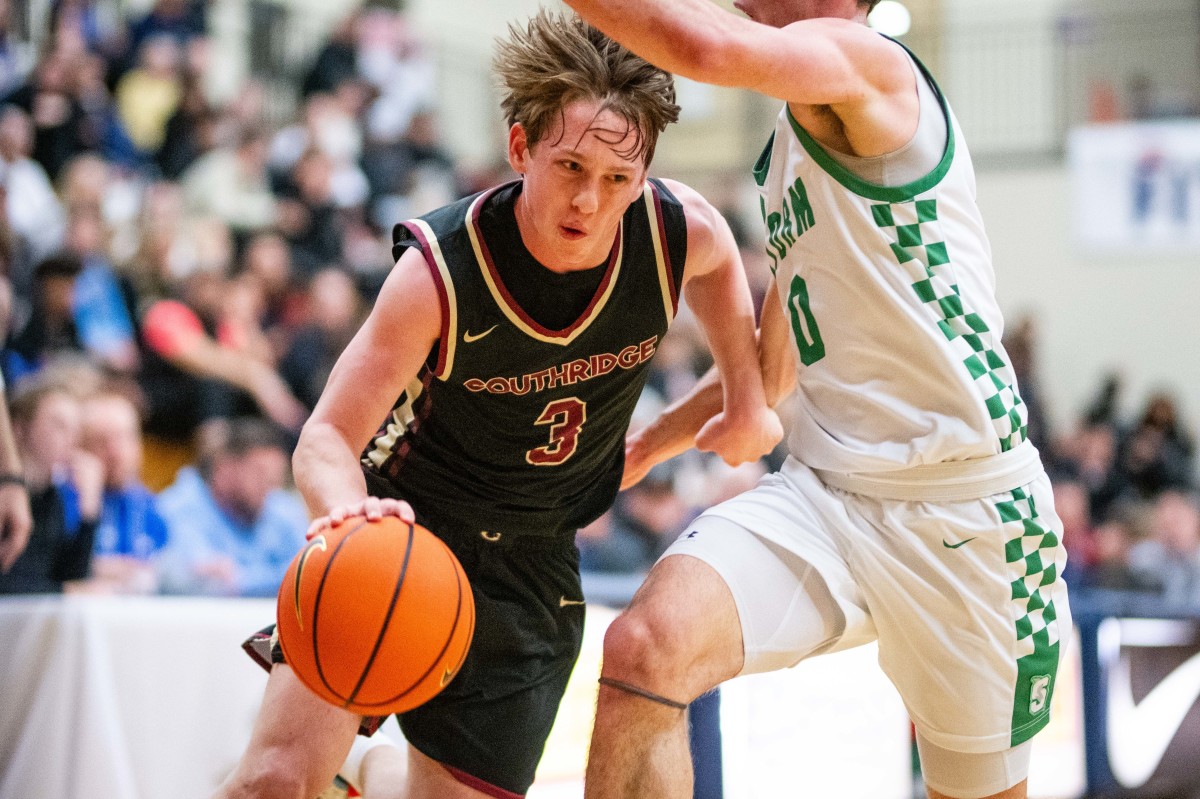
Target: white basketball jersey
point(891, 298)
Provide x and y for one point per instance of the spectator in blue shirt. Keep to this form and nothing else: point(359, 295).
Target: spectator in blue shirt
point(232, 529)
point(131, 532)
point(101, 302)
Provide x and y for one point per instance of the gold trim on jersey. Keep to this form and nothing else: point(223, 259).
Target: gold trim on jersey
point(450, 340)
point(511, 313)
point(664, 279)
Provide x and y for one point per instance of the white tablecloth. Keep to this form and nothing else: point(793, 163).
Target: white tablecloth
point(152, 698)
point(125, 698)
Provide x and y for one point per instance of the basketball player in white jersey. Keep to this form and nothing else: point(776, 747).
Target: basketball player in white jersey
point(912, 509)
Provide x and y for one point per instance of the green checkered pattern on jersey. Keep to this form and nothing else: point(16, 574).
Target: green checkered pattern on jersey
point(1030, 555)
point(1030, 552)
point(919, 247)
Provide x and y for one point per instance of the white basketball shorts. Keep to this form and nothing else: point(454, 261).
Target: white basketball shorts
point(965, 597)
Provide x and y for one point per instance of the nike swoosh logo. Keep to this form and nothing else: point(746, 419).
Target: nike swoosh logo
point(563, 602)
point(1138, 735)
point(447, 675)
point(948, 545)
point(468, 336)
point(316, 543)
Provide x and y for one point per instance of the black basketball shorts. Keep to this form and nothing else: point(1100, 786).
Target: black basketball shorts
point(489, 726)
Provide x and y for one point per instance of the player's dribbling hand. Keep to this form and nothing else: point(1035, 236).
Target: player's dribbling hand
point(373, 508)
point(741, 439)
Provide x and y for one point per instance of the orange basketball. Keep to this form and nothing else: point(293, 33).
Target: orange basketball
point(375, 617)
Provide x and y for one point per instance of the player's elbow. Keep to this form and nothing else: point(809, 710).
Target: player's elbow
point(709, 57)
point(305, 452)
point(319, 440)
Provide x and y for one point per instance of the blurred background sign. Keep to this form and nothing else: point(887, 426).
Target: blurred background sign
point(1136, 187)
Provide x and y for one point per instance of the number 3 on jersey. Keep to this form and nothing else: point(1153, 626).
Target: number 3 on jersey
point(804, 325)
point(566, 418)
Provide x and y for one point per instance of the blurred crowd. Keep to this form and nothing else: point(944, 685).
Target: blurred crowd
point(178, 276)
point(1124, 487)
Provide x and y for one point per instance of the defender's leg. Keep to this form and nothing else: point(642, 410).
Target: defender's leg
point(679, 637)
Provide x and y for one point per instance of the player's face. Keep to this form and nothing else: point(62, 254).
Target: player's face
point(578, 183)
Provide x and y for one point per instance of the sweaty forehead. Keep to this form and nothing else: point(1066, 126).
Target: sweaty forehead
point(586, 129)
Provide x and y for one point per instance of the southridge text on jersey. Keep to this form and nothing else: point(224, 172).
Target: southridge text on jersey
point(569, 373)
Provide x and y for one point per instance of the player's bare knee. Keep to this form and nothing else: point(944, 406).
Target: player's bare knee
point(629, 647)
point(647, 651)
point(626, 645)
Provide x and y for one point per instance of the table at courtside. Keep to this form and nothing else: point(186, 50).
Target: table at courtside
point(122, 697)
point(153, 698)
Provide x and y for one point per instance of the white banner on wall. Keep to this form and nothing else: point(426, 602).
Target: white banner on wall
point(1136, 187)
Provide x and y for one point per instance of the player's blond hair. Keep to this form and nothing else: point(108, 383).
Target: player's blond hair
point(558, 59)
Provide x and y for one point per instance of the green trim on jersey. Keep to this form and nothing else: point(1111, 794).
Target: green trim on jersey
point(1036, 619)
point(763, 165)
point(873, 191)
point(917, 242)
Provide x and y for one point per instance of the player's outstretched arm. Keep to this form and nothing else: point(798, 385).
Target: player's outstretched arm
point(742, 427)
point(377, 365)
point(814, 62)
point(674, 431)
